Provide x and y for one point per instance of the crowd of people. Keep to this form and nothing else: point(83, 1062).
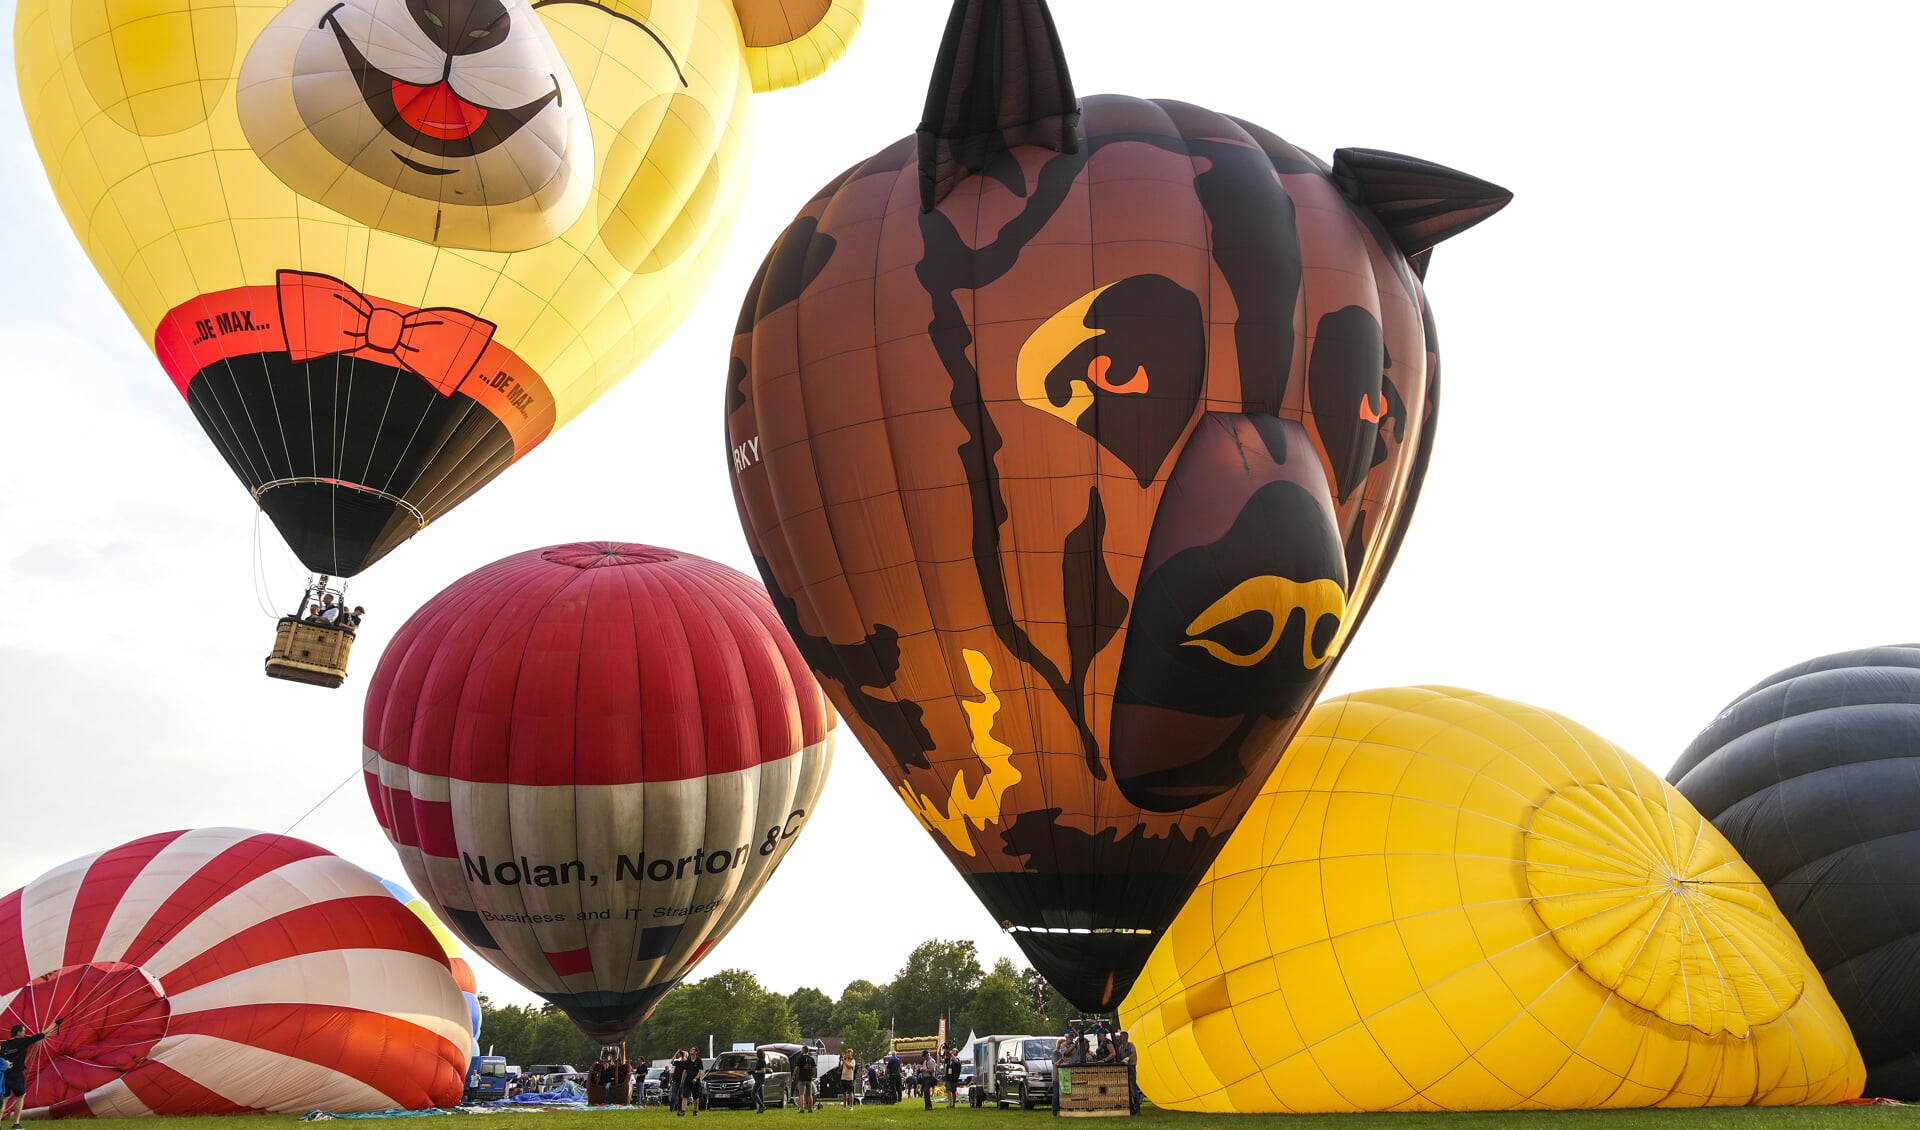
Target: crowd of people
point(1073, 1050)
point(334, 614)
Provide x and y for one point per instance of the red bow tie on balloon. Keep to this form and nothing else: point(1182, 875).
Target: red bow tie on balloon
point(322, 316)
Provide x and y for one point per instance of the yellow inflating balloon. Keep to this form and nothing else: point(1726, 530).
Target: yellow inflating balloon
point(383, 248)
point(1444, 900)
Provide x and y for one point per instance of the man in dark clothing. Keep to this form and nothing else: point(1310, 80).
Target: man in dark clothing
point(896, 1083)
point(953, 1078)
point(1128, 1056)
point(13, 1082)
point(760, 1081)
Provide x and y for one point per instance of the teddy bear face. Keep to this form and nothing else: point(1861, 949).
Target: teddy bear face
point(455, 122)
point(296, 196)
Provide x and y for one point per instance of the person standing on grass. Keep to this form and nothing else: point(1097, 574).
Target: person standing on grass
point(953, 1078)
point(760, 1081)
point(850, 1076)
point(13, 1081)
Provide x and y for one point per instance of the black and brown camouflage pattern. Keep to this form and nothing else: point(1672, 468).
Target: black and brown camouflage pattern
point(1054, 422)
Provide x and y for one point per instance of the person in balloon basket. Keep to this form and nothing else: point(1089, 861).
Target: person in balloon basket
point(1128, 1056)
point(13, 1077)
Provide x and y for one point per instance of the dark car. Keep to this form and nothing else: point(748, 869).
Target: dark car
point(729, 1079)
point(826, 1068)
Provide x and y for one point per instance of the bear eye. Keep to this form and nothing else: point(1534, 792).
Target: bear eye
point(482, 33)
point(436, 21)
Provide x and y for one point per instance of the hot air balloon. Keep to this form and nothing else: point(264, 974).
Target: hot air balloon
point(590, 758)
point(220, 971)
point(1072, 440)
point(384, 248)
point(1444, 900)
point(1814, 774)
point(461, 969)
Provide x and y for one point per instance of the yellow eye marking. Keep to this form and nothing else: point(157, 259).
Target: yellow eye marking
point(1057, 336)
point(1278, 597)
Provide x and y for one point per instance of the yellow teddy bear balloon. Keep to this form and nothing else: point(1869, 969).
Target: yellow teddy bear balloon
point(385, 247)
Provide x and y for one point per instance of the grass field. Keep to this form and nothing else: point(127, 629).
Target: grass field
point(910, 1116)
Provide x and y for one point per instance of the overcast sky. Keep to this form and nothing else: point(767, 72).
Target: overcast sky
point(1675, 452)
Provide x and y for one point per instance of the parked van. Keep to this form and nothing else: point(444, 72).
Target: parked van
point(492, 1070)
point(1012, 1069)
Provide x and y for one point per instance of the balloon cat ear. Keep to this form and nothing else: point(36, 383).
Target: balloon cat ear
point(791, 41)
point(1420, 203)
point(999, 81)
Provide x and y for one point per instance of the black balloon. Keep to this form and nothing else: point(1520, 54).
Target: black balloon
point(1814, 775)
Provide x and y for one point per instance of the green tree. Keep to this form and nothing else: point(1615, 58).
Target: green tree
point(938, 979)
point(1054, 1009)
point(525, 1035)
point(812, 1011)
point(859, 996)
point(1001, 1004)
point(727, 1008)
point(770, 1021)
point(863, 1035)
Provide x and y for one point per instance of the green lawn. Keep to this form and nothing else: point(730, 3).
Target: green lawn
point(910, 1116)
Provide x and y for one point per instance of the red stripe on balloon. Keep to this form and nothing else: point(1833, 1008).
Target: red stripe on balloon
point(107, 879)
point(570, 962)
point(164, 1089)
point(13, 944)
point(409, 1064)
point(227, 872)
point(363, 922)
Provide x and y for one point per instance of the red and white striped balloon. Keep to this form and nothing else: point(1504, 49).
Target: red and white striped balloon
point(221, 971)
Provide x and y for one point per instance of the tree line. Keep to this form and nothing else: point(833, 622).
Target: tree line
point(939, 978)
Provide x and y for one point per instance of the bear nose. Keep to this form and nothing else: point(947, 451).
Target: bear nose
point(462, 27)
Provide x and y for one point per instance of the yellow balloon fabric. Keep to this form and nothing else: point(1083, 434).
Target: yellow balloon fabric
point(1444, 900)
point(385, 247)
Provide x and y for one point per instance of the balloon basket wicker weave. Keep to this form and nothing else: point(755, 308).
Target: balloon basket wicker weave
point(315, 654)
point(1094, 1092)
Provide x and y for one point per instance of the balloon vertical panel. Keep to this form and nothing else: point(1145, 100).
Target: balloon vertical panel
point(380, 257)
point(590, 759)
point(1814, 774)
point(1071, 460)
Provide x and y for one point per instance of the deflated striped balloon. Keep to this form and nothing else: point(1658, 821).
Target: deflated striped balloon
point(456, 959)
point(591, 757)
point(221, 971)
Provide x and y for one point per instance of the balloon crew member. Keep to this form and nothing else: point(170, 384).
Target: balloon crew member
point(676, 1079)
point(850, 1076)
point(953, 1078)
point(923, 1078)
point(896, 1085)
point(805, 1069)
point(760, 1081)
point(1128, 1056)
point(13, 1079)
